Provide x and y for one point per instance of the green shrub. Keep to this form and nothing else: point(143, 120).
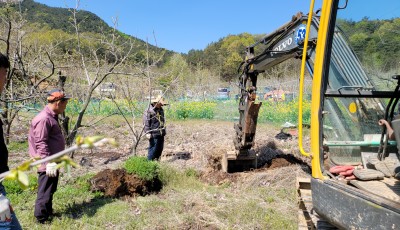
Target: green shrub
point(143, 168)
point(191, 172)
point(281, 112)
point(13, 186)
point(192, 110)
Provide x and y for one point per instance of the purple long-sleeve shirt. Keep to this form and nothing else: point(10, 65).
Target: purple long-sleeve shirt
point(45, 136)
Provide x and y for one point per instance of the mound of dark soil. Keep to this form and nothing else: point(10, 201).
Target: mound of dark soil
point(119, 183)
point(216, 177)
point(279, 163)
point(284, 160)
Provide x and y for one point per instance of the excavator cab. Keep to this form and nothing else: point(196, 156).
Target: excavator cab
point(355, 121)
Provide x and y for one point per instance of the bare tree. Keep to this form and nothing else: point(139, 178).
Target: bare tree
point(146, 74)
point(102, 57)
point(26, 60)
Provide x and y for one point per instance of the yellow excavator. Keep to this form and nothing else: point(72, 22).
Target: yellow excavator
point(355, 121)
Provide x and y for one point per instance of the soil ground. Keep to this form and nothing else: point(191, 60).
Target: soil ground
point(266, 194)
point(200, 145)
point(196, 144)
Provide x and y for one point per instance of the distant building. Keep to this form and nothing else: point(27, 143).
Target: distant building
point(107, 89)
point(223, 93)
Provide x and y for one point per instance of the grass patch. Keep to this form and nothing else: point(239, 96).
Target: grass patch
point(13, 186)
point(17, 146)
point(185, 202)
point(143, 168)
point(270, 111)
point(276, 220)
point(176, 179)
point(191, 172)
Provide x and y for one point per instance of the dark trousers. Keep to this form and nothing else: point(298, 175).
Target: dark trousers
point(3, 151)
point(47, 186)
point(155, 148)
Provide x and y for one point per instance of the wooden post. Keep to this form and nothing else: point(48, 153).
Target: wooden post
point(63, 118)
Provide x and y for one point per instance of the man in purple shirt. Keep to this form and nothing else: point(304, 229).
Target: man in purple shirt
point(45, 139)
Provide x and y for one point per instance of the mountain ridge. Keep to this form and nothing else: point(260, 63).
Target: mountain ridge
point(58, 18)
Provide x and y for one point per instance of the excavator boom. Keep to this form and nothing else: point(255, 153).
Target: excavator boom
point(283, 44)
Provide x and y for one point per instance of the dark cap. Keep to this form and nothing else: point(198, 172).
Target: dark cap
point(56, 94)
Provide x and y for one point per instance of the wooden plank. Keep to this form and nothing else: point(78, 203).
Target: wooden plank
point(305, 204)
point(308, 219)
point(303, 183)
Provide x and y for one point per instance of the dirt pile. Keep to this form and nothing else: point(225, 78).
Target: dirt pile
point(284, 160)
point(218, 177)
point(118, 183)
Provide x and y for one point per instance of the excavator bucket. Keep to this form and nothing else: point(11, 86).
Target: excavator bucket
point(246, 129)
point(250, 122)
point(239, 161)
point(243, 158)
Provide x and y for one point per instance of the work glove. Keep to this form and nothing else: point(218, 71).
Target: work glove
point(51, 169)
point(148, 136)
point(5, 211)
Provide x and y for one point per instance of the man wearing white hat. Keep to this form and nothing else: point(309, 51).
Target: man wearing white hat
point(154, 127)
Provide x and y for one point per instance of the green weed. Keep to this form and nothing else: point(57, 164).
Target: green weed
point(191, 172)
point(145, 169)
point(192, 110)
point(13, 186)
point(17, 146)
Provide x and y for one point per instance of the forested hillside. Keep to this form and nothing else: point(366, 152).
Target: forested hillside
point(382, 36)
point(45, 40)
point(55, 20)
point(383, 41)
point(58, 18)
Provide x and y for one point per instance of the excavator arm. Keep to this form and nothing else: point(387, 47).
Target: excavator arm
point(283, 44)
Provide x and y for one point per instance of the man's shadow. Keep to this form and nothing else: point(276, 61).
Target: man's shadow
point(88, 208)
